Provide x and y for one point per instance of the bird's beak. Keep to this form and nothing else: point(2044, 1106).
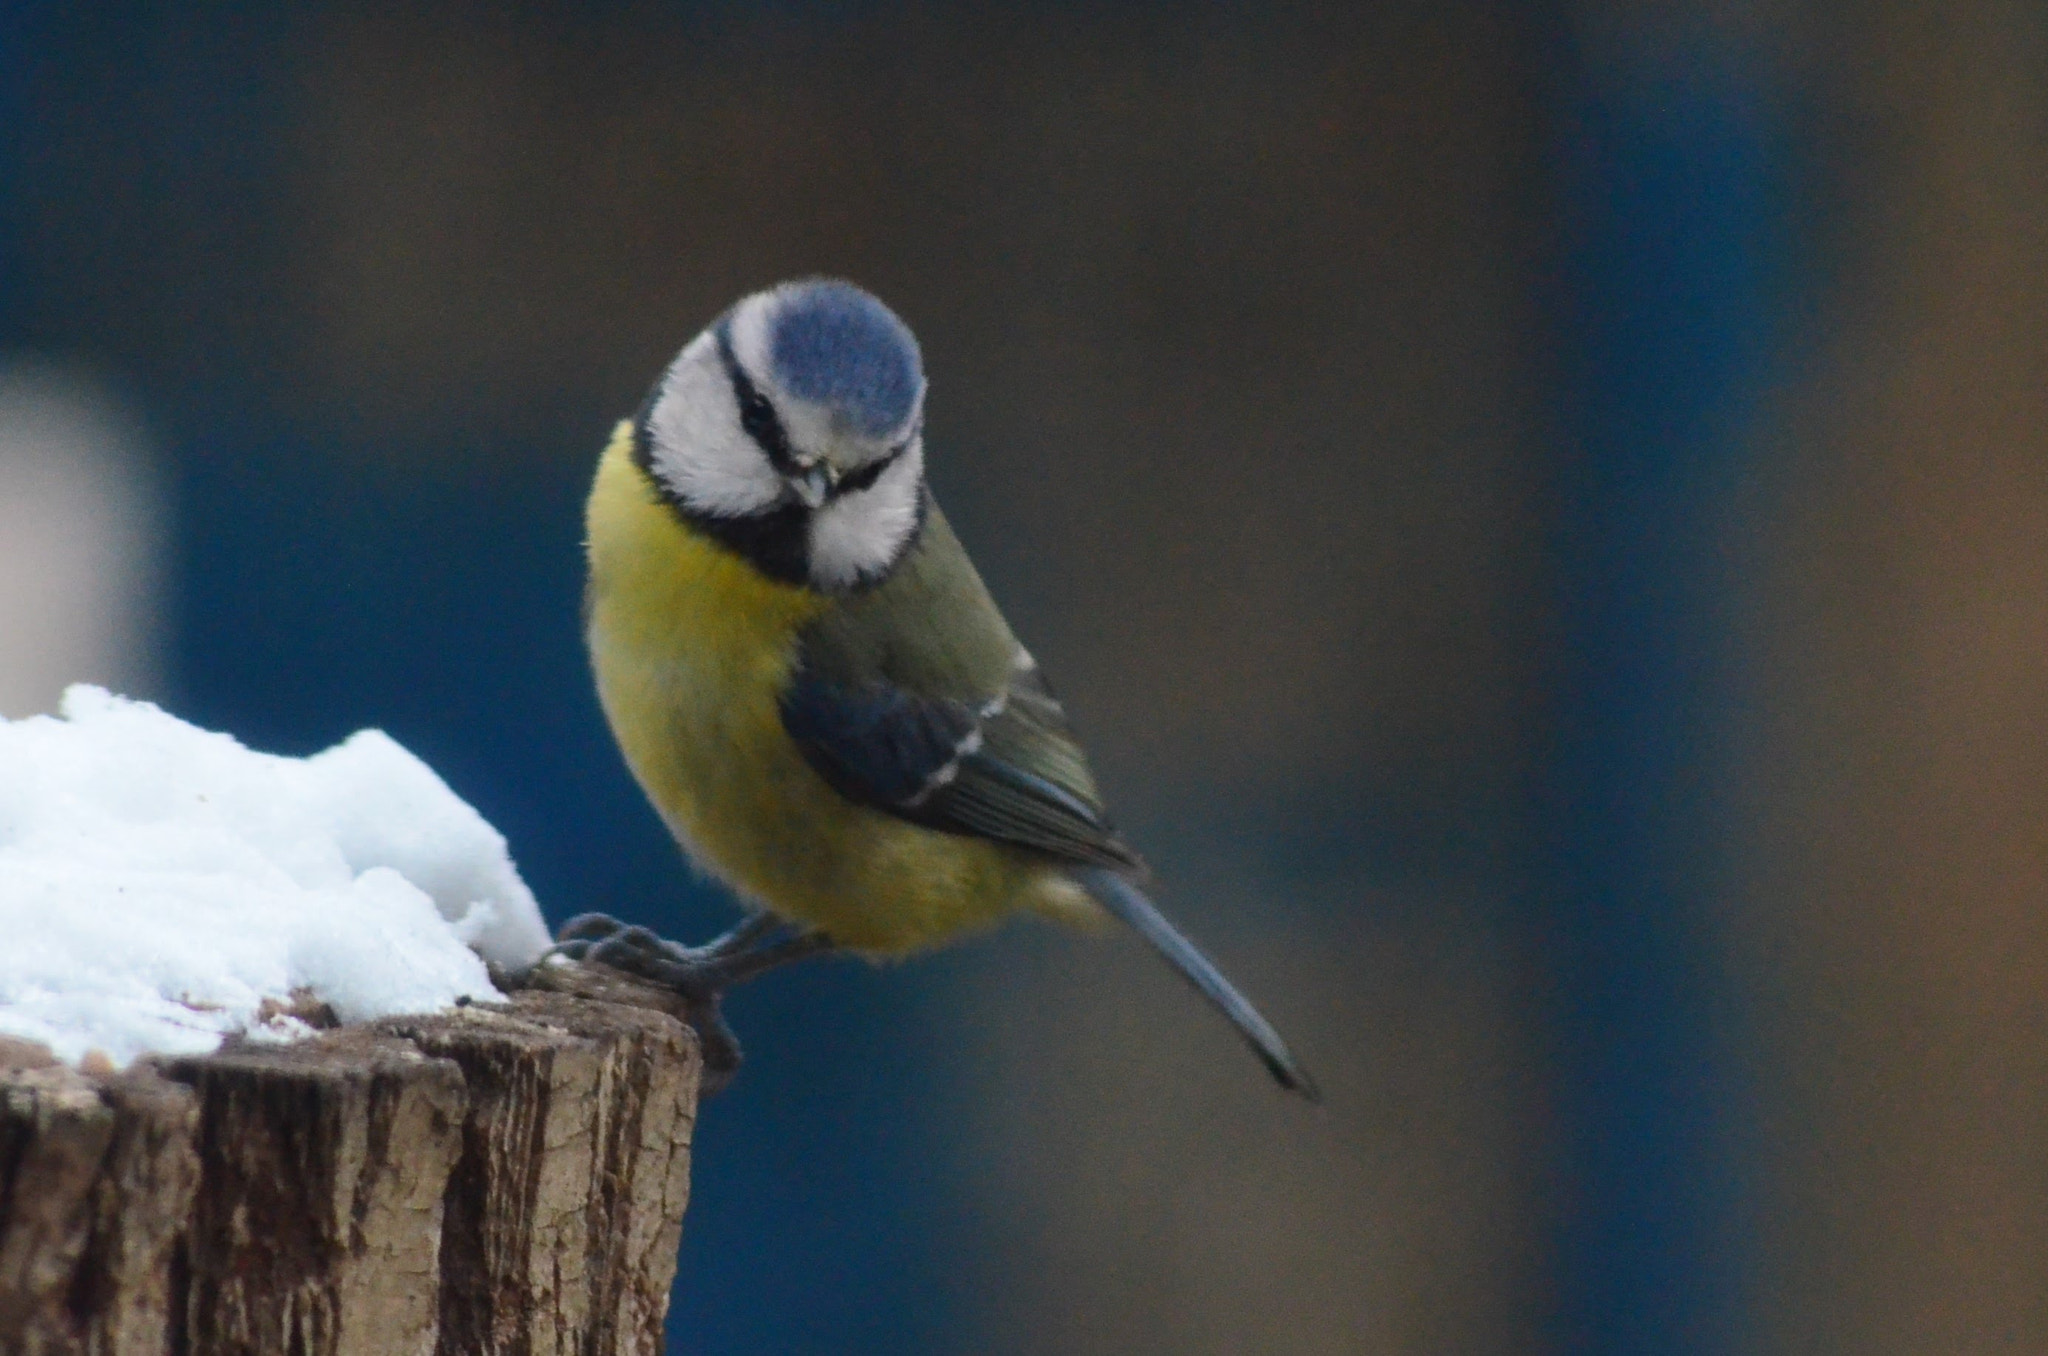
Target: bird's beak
point(814, 484)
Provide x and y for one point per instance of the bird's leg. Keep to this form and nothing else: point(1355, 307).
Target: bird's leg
point(700, 975)
point(755, 960)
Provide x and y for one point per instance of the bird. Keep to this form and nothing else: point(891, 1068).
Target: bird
point(813, 686)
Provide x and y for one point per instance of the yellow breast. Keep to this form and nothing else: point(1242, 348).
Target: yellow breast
point(691, 647)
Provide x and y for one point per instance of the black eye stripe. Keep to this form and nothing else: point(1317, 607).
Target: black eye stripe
point(867, 475)
point(757, 415)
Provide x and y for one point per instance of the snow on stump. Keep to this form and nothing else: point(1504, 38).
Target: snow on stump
point(502, 1178)
point(263, 1088)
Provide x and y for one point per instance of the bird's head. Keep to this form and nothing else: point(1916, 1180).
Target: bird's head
point(792, 430)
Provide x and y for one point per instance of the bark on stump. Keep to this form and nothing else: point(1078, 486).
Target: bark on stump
point(499, 1179)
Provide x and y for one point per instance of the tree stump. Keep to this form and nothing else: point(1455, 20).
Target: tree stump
point(504, 1178)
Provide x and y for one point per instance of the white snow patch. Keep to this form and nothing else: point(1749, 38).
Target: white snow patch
point(158, 882)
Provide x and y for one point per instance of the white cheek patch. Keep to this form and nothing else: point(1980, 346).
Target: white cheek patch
point(749, 334)
point(860, 535)
point(698, 448)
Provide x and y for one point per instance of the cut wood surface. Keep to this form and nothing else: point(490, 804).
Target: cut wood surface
point(502, 1178)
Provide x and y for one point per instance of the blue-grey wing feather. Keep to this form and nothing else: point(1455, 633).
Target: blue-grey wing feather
point(992, 770)
point(877, 744)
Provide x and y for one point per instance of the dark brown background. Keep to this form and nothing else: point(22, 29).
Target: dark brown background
point(1250, 330)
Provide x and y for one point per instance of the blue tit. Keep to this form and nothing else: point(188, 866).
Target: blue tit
point(812, 684)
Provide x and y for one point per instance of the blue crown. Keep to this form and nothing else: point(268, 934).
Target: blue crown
point(835, 345)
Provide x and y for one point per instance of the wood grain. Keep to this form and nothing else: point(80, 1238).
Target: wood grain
point(496, 1179)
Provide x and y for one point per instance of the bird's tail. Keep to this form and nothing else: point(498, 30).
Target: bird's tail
point(1129, 903)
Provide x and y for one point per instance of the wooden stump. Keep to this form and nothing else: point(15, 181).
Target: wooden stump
point(504, 1178)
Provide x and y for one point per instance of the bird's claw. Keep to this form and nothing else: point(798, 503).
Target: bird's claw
point(586, 927)
point(698, 975)
point(636, 950)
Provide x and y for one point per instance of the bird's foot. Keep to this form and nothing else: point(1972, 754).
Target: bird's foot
point(700, 975)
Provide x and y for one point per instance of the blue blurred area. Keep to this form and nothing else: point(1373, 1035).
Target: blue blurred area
point(1672, 215)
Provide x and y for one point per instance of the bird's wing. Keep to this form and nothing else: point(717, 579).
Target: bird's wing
point(915, 699)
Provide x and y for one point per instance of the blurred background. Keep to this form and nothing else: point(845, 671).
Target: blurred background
point(1541, 512)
